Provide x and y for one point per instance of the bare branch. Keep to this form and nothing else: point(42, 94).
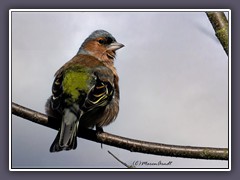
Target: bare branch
point(126, 143)
point(220, 25)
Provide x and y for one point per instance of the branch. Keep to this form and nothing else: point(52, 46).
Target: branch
point(220, 25)
point(126, 143)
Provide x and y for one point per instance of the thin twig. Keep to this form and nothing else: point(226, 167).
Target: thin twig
point(123, 163)
point(126, 143)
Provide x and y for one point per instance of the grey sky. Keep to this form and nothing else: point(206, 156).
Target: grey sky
point(173, 84)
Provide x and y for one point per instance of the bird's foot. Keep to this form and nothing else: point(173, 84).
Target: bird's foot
point(99, 129)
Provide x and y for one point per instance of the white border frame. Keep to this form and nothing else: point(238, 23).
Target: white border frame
point(117, 10)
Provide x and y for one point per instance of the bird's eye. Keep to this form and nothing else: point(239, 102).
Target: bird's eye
point(101, 41)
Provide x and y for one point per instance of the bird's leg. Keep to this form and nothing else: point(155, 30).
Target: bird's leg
point(98, 131)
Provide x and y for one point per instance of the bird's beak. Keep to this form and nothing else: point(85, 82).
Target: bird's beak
point(115, 46)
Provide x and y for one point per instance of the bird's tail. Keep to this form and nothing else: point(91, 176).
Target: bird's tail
point(66, 138)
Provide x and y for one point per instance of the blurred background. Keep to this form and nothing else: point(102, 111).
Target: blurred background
point(173, 85)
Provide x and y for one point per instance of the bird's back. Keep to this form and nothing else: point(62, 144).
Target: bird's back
point(74, 80)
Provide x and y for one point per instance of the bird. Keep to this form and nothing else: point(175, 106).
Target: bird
point(85, 91)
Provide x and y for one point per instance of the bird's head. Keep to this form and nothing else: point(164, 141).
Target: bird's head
point(100, 44)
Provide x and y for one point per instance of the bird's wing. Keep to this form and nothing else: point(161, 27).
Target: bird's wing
point(103, 90)
point(57, 91)
point(99, 94)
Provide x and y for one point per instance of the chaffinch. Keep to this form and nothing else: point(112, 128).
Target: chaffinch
point(85, 91)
